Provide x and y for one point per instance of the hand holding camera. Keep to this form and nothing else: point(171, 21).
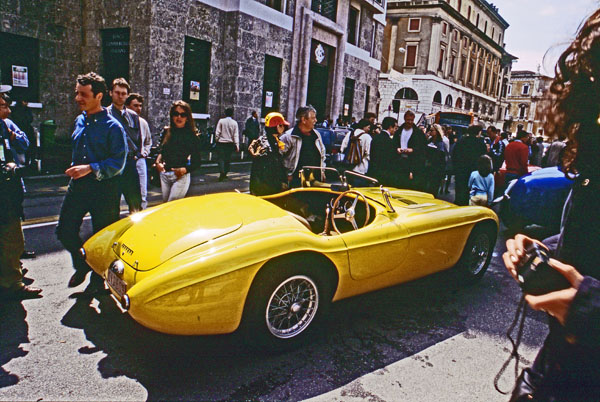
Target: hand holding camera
point(549, 284)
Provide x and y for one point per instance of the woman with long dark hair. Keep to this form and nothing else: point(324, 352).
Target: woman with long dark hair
point(268, 174)
point(567, 367)
point(179, 152)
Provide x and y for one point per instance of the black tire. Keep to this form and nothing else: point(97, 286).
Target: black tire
point(300, 294)
point(477, 253)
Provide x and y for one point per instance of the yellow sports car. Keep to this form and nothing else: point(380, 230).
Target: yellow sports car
point(271, 265)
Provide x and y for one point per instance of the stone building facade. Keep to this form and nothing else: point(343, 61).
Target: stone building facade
point(444, 55)
point(527, 98)
point(250, 54)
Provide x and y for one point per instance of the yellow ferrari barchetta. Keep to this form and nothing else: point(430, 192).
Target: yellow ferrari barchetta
point(271, 265)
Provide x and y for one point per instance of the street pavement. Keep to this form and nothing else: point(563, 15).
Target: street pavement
point(423, 341)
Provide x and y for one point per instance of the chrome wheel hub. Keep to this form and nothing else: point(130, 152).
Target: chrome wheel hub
point(479, 253)
point(292, 306)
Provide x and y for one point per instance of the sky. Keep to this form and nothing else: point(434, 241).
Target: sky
point(541, 27)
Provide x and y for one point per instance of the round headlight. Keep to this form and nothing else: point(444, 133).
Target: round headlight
point(117, 267)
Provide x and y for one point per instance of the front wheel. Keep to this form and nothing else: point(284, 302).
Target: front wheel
point(477, 253)
point(285, 307)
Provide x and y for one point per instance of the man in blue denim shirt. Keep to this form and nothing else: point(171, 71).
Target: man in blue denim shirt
point(99, 152)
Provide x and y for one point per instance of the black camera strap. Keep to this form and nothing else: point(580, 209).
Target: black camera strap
point(514, 354)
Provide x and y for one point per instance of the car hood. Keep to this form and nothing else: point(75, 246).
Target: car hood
point(163, 232)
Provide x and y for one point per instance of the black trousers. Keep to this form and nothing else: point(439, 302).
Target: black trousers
point(99, 198)
point(130, 186)
point(461, 188)
point(224, 150)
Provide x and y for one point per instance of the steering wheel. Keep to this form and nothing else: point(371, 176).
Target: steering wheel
point(348, 212)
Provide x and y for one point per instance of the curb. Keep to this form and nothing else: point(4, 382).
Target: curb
point(62, 175)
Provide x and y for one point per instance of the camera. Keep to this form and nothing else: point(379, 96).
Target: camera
point(536, 276)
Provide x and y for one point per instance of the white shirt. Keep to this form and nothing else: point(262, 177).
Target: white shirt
point(227, 131)
point(405, 137)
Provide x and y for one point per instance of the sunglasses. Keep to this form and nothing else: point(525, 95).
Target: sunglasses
point(177, 114)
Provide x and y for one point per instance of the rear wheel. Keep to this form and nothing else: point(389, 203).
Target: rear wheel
point(285, 306)
point(477, 253)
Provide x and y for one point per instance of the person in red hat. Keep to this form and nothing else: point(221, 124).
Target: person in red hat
point(268, 174)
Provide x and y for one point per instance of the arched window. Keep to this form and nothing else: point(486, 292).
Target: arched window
point(448, 101)
point(459, 104)
point(477, 21)
point(437, 98)
point(476, 107)
point(468, 104)
point(406, 93)
point(483, 109)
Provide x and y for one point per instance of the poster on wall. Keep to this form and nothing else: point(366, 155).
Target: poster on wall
point(19, 76)
point(268, 99)
point(194, 90)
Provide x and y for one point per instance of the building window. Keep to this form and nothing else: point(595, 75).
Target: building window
point(485, 28)
point(525, 89)
point(468, 104)
point(327, 8)
point(509, 92)
point(441, 63)
point(477, 21)
point(414, 24)
point(411, 56)
point(463, 64)
point(459, 5)
point(373, 38)
point(276, 4)
point(522, 111)
point(115, 53)
point(348, 97)
point(448, 101)
point(437, 98)
point(479, 75)
point(19, 65)
point(444, 28)
point(469, 13)
point(271, 85)
point(196, 71)
point(407, 93)
point(367, 96)
point(471, 68)
point(459, 103)
point(455, 35)
point(465, 42)
point(353, 25)
point(500, 39)
point(452, 63)
point(493, 32)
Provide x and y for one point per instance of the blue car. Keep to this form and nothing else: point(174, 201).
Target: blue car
point(536, 198)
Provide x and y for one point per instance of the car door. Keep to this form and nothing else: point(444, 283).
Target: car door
point(377, 248)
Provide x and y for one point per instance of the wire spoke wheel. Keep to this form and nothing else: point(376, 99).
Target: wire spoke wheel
point(478, 253)
point(292, 306)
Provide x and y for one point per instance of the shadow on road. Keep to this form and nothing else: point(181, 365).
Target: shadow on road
point(363, 334)
point(14, 332)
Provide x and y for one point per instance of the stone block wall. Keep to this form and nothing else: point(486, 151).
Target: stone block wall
point(56, 24)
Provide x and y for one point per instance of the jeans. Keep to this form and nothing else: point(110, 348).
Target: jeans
point(172, 187)
point(11, 248)
point(99, 198)
point(130, 186)
point(142, 171)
